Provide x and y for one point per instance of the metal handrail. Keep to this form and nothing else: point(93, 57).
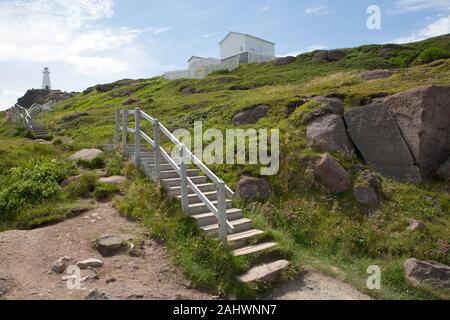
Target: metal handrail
point(220, 210)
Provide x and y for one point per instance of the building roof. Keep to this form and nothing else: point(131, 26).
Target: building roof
point(195, 57)
point(245, 35)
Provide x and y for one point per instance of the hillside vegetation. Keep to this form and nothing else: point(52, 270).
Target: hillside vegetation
point(315, 229)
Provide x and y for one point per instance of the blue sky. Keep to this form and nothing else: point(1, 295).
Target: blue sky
point(85, 42)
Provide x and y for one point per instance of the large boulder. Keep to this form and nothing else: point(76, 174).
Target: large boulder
point(329, 172)
point(334, 105)
point(444, 170)
point(253, 189)
point(375, 133)
point(86, 155)
point(328, 134)
point(423, 116)
point(376, 74)
point(284, 61)
point(250, 116)
point(427, 274)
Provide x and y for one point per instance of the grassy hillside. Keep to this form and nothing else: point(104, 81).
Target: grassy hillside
point(317, 229)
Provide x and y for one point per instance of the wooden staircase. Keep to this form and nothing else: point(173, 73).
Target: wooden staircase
point(22, 117)
point(244, 240)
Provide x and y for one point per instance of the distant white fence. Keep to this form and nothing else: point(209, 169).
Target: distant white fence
point(229, 64)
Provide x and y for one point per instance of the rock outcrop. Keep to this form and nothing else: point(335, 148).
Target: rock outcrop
point(375, 133)
point(253, 189)
point(423, 116)
point(42, 97)
point(328, 134)
point(74, 116)
point(284, 61)
point(444, 170)
point(376, 74)
point(250, 116)
point(329, 55)
point(427, 274)
point(329, 172)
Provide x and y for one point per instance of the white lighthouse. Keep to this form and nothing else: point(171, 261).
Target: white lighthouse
point(46, 85)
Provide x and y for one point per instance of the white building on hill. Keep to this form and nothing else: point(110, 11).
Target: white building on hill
point(235, 49)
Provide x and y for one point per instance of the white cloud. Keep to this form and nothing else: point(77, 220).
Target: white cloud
point(417, 5)
point(266, 8)
point(437, 28)
point(308, 49)
point(64, 31)
point(318, 11)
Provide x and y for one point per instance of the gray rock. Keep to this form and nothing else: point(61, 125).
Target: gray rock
point(70, 180)
point(114, 180)
point(59, 266)
point(253, 189)
point(109, 246)
point(376, 74)
point(331, 55)
point(427, 274)
point(366, 196)
point(334, 105)
point(284, 61)
point(294, 105)
point(329, 172)
point(86, 154)
point(250, 116)
point(187, 90)
point(98, 294)
point(328, 134)
point(90, 263)
point(375, 133)
point(423, 116)
point(131, 101)
point(444, 170)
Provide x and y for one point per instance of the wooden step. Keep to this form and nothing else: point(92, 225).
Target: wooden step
point(168, 183)
point(163, 166)
point(208, 219)
point(207, 187)
point(173, 174)
point(240, 240)
point(198, 208)
point(240, 225)
point(254, 249)
point(193, 198)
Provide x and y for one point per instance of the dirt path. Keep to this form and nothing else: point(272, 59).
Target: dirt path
point(26, 257)
point(314, 285)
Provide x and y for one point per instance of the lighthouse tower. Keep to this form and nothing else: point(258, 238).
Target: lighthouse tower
point(46, 85)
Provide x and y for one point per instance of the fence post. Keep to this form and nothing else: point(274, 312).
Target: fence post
point(184, 184)
point(157, 151)
point(124, 129)
point(24, 121)
point(116, 128)
point(221, 207)
point(137, 137)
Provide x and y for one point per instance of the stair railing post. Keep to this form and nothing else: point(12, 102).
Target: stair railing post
point(116, 128)
point(16, 115)
point(137, 137)
point(24, 121)
point(124, 129)
point(157, 150)
point(221, 207)
point(13, 116)
point(184, 183)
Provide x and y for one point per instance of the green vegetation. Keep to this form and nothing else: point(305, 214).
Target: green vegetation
point(313, 228)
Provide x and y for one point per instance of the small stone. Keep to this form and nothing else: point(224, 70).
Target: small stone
point(329, 172)
point(109, 246)
point(90, 263)
point(111, 280)
point(114, 180)
point(366, 196)
point(416, 225)
point(98, 294)
point(59, 266)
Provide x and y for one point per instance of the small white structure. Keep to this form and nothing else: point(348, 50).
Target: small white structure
point(46, 84)
point(236, 43)
point(235, 49)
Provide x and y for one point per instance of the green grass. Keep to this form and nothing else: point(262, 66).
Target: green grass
point(313, 227)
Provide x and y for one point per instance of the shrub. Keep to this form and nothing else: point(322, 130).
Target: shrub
point(83, 187)
point(97, 163)
point(432, 54)
point(32, 182)
point(405, 58)
point(114, 165)
point(105, 191)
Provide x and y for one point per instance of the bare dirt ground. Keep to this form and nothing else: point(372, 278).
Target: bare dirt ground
point(313, 285)
point(26, 257)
